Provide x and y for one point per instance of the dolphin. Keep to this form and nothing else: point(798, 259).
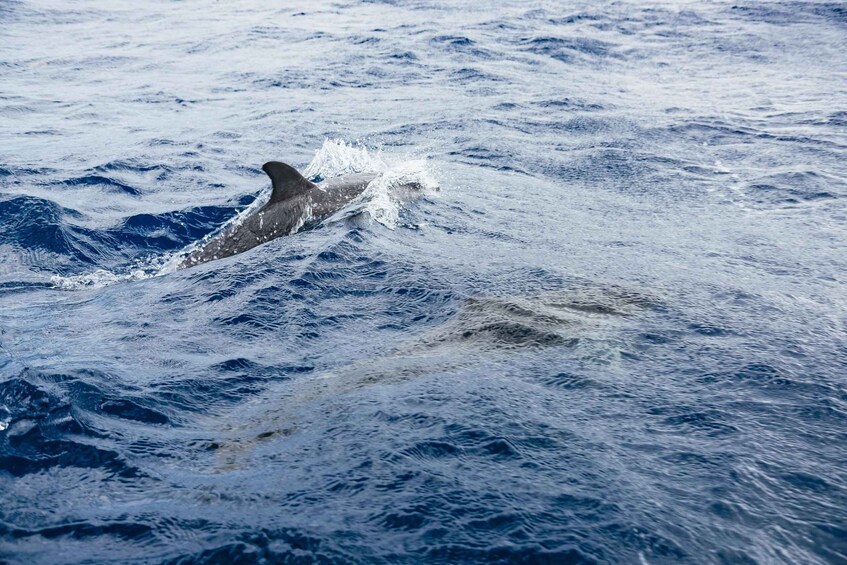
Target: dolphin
point(295, 203)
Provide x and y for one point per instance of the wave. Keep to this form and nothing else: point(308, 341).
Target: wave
point(43, 430)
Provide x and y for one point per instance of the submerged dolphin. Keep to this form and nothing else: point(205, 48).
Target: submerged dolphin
point(295, 203)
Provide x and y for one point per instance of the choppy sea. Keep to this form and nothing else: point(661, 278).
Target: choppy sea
point(613, 329)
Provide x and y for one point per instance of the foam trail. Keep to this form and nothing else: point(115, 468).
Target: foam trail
point(138, 270)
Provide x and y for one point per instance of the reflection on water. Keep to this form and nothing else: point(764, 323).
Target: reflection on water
point(483, 330)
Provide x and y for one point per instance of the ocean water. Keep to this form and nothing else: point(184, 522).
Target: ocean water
point(610, 330)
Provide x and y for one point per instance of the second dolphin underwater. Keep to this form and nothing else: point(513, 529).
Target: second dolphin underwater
point(295, 203)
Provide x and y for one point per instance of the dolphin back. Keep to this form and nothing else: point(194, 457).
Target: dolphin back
point(295, 202)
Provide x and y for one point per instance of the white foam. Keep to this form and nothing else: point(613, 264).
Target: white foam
point(381, 201)
point(337, 157)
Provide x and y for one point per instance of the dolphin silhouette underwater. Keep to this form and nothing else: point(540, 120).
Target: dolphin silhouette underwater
point(295, 203)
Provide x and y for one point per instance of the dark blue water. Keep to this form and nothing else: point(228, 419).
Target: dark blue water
point(612, 330)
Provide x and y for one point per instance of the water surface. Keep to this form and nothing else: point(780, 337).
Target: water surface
point(615, 333)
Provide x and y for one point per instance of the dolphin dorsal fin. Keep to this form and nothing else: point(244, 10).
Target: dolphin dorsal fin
point(286, 181)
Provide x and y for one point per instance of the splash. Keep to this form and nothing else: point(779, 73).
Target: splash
point(383, 199)
point(337, 157)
